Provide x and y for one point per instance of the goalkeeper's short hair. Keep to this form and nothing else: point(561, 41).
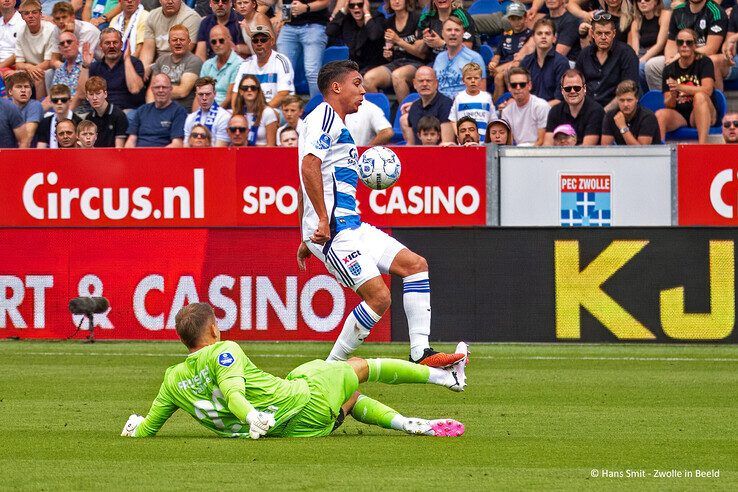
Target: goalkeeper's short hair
point(191, 322)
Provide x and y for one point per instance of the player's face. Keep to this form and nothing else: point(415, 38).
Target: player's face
point(498, 134)
point(627, 103)
point(292, 113)
point(543, 37)
point(730, 128)
point(429, 137)
point(472, 79)
point(66, 136)
point(573, 90)
point(352, 91)
point(87, 138)
point(288, 138)
point(468, 133)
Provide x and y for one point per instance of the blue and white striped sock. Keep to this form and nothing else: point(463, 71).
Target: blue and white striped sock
point(356, 328)
point(416, 301)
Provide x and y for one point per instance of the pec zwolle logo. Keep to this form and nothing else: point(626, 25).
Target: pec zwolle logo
point(352, 263)
point(586, 200)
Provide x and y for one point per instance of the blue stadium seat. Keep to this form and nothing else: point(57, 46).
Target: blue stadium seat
point(380, 99)
point(383, 10)
point(654, 100)
point(487, 7)
point(398, 139)
point(312, 104)
point(487, 53)
point(333, 53)
point(503, 98)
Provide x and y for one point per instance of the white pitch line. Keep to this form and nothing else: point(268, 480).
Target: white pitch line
point(491, 357)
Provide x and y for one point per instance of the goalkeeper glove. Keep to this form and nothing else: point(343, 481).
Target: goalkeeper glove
point(259, 423)
point(130, 428)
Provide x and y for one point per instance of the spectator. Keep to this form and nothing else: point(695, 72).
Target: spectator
point(248, 9)
point(429, 130)
point(275, 69)
point(449, 63)
point(63, 15)
point(71, 72)
point(122, 72)
point(223, 15)
point(59, 96)
point(288, 137)
point(368, 126)
point(431, 102)
point(99, 12)
point(564, 136)
point(66, 134)
point(12, 127)
point(508, 49)
point(499, 132)
point(35, 45)
point(200, 136)
point(110, 120)
point(223, 67)
point(131, 23)
point(238, 131)
point(473, 101)
point(208, 113)
point(621, 12)
point(630, 123)
point(353, 26)
point(730, 127)
point(263, 120)
point(19, 89)
point(725, 61)
point(292, 108)
point(688, 85)
point(181, 65)
point(11, 25)
point(545, 64)
point(159, 123)
point(303, 37)
point(403, 49)
point(432, 20)
point(86, 134)
point(160, 21)
point(607, 62)
point(706, 18)
point(579, 110)
point(526, 113)
point(566, 29)
point(467, 131)
point(648, 33)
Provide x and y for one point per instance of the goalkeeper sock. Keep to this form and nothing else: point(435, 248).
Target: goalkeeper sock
point(356, 328)
point(395, 371)
point(416, 301)
point(373, 412)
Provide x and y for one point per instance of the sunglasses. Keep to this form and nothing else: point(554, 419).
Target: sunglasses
point(237, 129)
point(248, 88)
point(198, 136)
point(728, 124)
point(518, 85)
point(260, 39)
point(66, 43)
point(569, 88)
point(221, 2)
point(682, 42)
point(216, 42)
point(601, 15)
point(59, 99)
point(356, 5)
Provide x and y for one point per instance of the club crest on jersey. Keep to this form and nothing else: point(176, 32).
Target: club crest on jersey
point(225, 359)
point(324, 141)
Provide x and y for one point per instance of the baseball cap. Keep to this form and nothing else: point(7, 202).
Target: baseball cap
point(566, 130)
point(501, 121)
point(261, 29)
point(515, 9)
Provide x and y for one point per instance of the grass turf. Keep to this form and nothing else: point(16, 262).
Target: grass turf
point(537, 416)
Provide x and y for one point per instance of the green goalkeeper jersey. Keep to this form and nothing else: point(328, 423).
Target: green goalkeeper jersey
point(202, 383)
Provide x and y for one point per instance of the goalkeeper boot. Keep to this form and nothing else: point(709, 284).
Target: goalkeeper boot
point(431, 358)
point(437, 428)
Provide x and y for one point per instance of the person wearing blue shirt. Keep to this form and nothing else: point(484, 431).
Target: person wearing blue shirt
point(12, 131)
point(160, 123)
point(545, 64)
point(449, 63)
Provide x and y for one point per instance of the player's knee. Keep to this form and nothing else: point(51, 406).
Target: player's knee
point(417, 264)
point(380, 300)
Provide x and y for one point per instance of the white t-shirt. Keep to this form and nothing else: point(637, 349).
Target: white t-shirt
point(479, 107)
point(8, 33)
point(218, 127)
point(527, 120)
point(268, 116)
point(366, 123)
point(275, 76)
point(86, 32)
point(35, 48)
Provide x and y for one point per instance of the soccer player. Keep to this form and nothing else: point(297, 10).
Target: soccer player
point(355, 253)
point(225, 392)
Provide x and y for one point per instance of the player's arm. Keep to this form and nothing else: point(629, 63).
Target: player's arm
point(303, 252)
point(160, 411)
point(312, 179)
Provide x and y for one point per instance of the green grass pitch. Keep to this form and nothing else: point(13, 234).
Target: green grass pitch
point(546, 417)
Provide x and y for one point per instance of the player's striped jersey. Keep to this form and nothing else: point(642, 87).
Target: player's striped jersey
point(324, 135)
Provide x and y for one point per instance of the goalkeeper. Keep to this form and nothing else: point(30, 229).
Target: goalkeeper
point(225, 392)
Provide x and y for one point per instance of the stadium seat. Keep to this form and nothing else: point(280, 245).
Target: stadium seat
point(487, 7)
point(654, 100)
point(502, 98)
point(333, 53)
point(383, 10)
point(312, 104)
point(398, 139)
point(487, 53)
point(380, 99)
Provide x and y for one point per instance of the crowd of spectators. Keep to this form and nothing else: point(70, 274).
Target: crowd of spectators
point(217, 73)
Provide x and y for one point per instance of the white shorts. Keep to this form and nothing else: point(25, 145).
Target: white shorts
point(354, 256)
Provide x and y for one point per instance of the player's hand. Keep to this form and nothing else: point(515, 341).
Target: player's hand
point(303, 253)
point(322, 234)
point(259, 423)
point(133, 422)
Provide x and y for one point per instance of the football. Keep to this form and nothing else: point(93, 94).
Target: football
point(379, 168)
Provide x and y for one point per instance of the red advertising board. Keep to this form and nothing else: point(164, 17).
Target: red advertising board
point(708, 185)
point(250, 276)
point(223, 187)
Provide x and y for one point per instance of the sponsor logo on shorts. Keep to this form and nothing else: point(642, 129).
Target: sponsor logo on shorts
point(351, 256)
point(225, 359)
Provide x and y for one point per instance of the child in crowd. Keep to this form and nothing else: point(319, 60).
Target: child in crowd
point(509, 51)
point(292, 109)
point(86, 134)
point(288, 137)
point(473, 101)
point(429, 130)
